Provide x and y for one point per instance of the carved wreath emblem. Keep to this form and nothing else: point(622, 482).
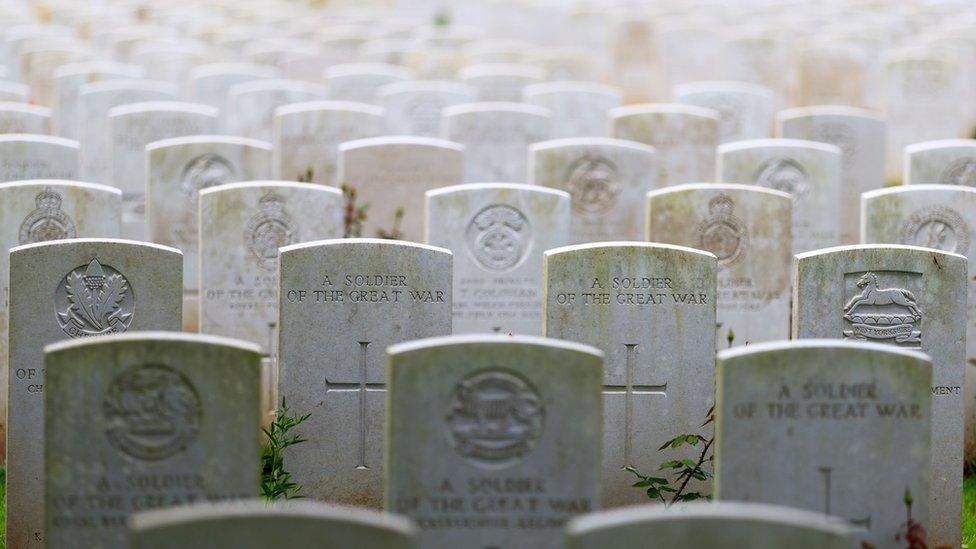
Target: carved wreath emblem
point(783, 174)
point(94, 300)
point(722, 233)
point(887, 314)
point(48, 221)
point(593, 185)
point(498, 237)
point(269, 229)
point(962, 171)
point(204, 171)
point(938, 227)
point(495, 418)
point(152, 412)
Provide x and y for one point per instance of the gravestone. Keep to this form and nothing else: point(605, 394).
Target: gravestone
point(254, 524)
point(651, 309)
point(68, 80)
point(158, 424)
point(510, 449)
point(724, 525)
point(414, 108)
point(683, 136)
point(242, 226)
point(808, 171)
point(932, 216)
point(176, 171)
point(24, 118)
point(497, 232)
point(353, 297)
point(849, 422)
point(27, 156)
point(860, 135)
point(907, 297)
point(307, 137)
point(748, 230)
point(500, 81)
point(579, 109)
point(835, 73)
point(359, 81)
point(751, 55)
point(38, 63)
point(251, 105)
point(94, 102)
point(391, 173)
point(38, 211)
point(14, 91)
point(745, 111)
point(943, 162)
point(208, 84)
point(496, 138)
point(98, 286)
point(606, 179)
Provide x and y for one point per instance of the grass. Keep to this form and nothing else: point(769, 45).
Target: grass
point(969, 512)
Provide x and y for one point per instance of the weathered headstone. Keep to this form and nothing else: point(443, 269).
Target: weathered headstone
point(414, 108)
point(98, 286)
point(38, 63)
point(683, 136)
point(209, 83)
point(254, 524)
point(164, 419)
point(307, 137)
point(849, 422)
point(496, 138)
point(251, 105)
point(732, 525)
point(68, 80)
point(392, 173)
point(579, 109)
point(860, 135)
point(606, 179)
point(14, 91)
point(748, 229)
point(808, 171)
point(27, 156)
point(832, 74)
point(943, 162)
point(497, 232)
point(651, 309)
point(24, 118)
point(745, 111)
point(908, 297)
point(751, 55)
point(359, 81)
point(352, 297)
point(500, 81)
point(508, 419)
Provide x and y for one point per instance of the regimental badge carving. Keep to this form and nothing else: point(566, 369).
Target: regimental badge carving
point(495, 419)
point(722, 233)
point(48, 221)
point(94, 300)
point(841, 136)
point(961, 171)
point(269, 229)
point(783, 174)
point(593, 185)
point(206, 170)
point(938, 227)
point(883, 314)
point(152, 412)
point(498, 237)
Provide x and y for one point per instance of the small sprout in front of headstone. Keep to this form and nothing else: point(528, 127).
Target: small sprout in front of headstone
point(684, 469)
point(353, 214)
point(275, 479)
point(307, 176)
point(395, 233)
point(442, 19)
point(730, 337)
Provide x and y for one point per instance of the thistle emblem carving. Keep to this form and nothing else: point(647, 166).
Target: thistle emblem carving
point(94, 300)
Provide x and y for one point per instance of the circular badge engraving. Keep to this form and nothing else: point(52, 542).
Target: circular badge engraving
point(962, 171)
point(722, 233)
point(47, 222)
point(593, 185)
point(268, 230)
point(206, 170)
point(152, 412)
point(783, 174)
point(92, 300)
point(495, 418)
point(937, 227)
point(498, 237)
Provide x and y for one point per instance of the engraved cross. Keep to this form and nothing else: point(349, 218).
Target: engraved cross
point(860, 522)
point(629, 390)
point(363, 387)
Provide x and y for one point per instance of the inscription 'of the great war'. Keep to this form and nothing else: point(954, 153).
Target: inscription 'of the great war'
point(638, 290)
point(366, 288)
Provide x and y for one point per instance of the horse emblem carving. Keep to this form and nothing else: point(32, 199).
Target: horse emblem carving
point(883, 313)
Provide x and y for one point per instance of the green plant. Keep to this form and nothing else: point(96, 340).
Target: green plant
point(395, 233)
point(354, 215)
point(275, 479)
point(307, 176)
point(442, 19)
point(683, 470)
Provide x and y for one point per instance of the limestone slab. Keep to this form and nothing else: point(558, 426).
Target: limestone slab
point(579, 109)
point(745, 111)
point(500, 81)
point(251, 105)
point(68, 80)
point(414, 108)
point(28, 156)
point(941, 162)
point(24, 118)
point(359, 81)
point(208, 84)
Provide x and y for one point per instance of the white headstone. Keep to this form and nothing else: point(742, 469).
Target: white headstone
point(500, 81)
point(26, 156)
point(68, 80)
point(209, 84)
point(24, 118)
point(251, 105)
point(745, 111)
point(414, 108)
point(579, 109)
point(945, 162)
point(833, 74)
point(359, 81)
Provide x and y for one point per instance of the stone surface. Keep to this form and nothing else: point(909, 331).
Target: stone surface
point(908, 297)
point(748, 229)
point(242, 227)
point(683, 136)
point(359, 81)
point(389, 173)
point(579, 109)
point(161, 419)
point(26, 156)
point(38, 63)
point(119, 285)
point(14, 91)
point(751, 55)
point(500, 81)
point(24, 118)
point(715, 525)
point(860, 135)
point(307, 137)
point(497, 232)
point(251, 104)
point(254, 524)
point(513, 419)
point(835, 413)
point(414, 108)
point(351, 298)
point(832, 74)
point(606, 178)
point(651, 309)
point(209, 83)
point(745, 111)
point(496, 138)
point(942, 162)
point(809, 171)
